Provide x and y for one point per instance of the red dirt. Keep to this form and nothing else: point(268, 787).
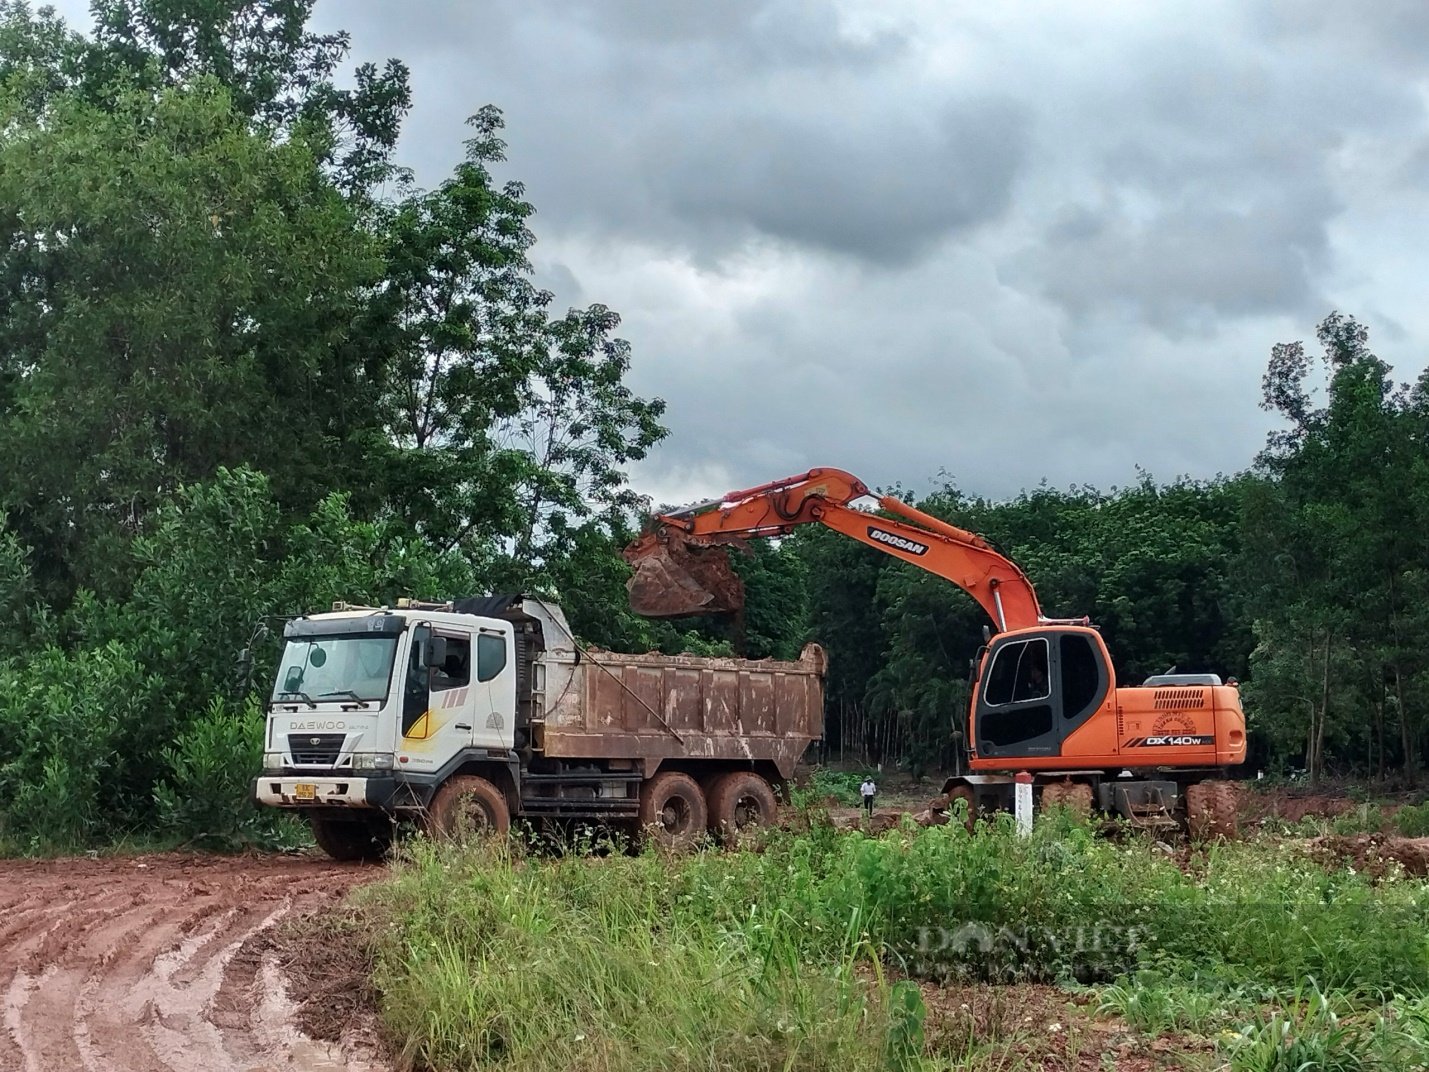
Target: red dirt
point(1032, 1026)
point(1374, 854)
point(162, 964)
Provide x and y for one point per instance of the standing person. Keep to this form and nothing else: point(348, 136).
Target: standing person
point(867, 791)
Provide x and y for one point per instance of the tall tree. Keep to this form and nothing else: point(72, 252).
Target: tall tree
point(173, 286)
point(508, 426)
point(1336, 539)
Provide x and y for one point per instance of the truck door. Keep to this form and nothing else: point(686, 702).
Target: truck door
point(494, 688)
point(437, 701)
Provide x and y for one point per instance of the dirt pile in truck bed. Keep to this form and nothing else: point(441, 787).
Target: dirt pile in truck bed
point(161, 964)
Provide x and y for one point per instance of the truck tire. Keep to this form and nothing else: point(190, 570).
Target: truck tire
point(739, 799)
point(672, 809)
point(352, 839)
point(467, 806)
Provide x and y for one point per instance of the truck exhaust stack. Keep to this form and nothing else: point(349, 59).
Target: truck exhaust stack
point(676, 577)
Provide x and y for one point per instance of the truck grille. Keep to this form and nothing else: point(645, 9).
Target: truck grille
point(315, 748)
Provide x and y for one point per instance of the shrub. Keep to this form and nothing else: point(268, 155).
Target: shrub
point(204, 797)
point(1412, 820)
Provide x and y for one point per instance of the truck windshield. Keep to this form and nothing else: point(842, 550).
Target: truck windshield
point(335, 668)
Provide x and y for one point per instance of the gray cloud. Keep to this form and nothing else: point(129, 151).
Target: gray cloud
point(1190, 265)
point(876, 185)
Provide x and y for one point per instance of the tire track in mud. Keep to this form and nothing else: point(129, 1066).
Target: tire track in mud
point(161, 964)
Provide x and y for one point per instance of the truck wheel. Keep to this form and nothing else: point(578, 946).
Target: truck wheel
point(465, 806)
point(739, 799)
point(672, 808)
point(352, 839)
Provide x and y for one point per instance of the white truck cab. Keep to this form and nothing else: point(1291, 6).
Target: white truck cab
point(372, 707)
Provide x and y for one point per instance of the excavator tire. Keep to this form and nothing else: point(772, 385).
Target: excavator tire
point(1200, 824)
point(672, 809)
point(1079, 800)
point(1054, 795)
point(1225, 808)
point(467, 806)
point(965, 794)
point(1212, 811)
point(740, 799)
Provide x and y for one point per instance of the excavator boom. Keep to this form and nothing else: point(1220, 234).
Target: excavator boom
point(682, 565)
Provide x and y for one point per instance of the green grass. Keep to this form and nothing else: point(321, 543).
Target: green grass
point(787, 957)
point(497, 960)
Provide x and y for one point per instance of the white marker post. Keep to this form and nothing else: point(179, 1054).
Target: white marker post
point(1022, 801)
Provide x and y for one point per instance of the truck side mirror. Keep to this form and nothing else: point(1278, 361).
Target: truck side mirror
point(434, 653)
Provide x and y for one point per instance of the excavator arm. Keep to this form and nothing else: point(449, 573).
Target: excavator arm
point(682, 567)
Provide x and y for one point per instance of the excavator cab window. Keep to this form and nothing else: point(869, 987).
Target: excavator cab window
point(1082, 679)
point(1018, 673)
point(1014, 711)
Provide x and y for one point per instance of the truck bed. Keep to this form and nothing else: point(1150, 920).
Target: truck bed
point(652, 707)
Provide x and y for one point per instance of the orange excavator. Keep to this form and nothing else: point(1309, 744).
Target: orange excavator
point(1045, 700)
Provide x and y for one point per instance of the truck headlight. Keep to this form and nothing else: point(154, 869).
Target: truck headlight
point(272, 760)
point(369, 761)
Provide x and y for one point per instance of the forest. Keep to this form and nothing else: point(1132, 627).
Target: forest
point(248, 367)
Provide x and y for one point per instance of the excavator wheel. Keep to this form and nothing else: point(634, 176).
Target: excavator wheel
point(1078, 800)
point(1054, 795)
point(1225, 806)
point(965, 794)
point(1211, 811)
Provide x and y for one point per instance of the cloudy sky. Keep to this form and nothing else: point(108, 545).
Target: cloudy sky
point(1006, 241)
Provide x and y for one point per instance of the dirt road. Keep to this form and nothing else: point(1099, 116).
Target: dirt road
point(159, 964)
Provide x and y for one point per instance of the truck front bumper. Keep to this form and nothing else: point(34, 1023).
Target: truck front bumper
point(323, 791)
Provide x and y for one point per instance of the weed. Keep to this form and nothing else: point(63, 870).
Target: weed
point(1412, 820)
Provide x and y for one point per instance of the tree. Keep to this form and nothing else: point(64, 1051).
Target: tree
point(1335, 538)
point(173, 287)
point(507, 425)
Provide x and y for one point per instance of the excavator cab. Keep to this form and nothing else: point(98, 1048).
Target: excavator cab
point(1037, 687)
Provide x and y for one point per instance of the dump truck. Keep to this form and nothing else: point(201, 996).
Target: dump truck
point(1045, 700)
point(465, 715)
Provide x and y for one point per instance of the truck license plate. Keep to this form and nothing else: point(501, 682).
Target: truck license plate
point(305, 791)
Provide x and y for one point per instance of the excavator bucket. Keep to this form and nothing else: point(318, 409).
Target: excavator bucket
point(675, 578)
